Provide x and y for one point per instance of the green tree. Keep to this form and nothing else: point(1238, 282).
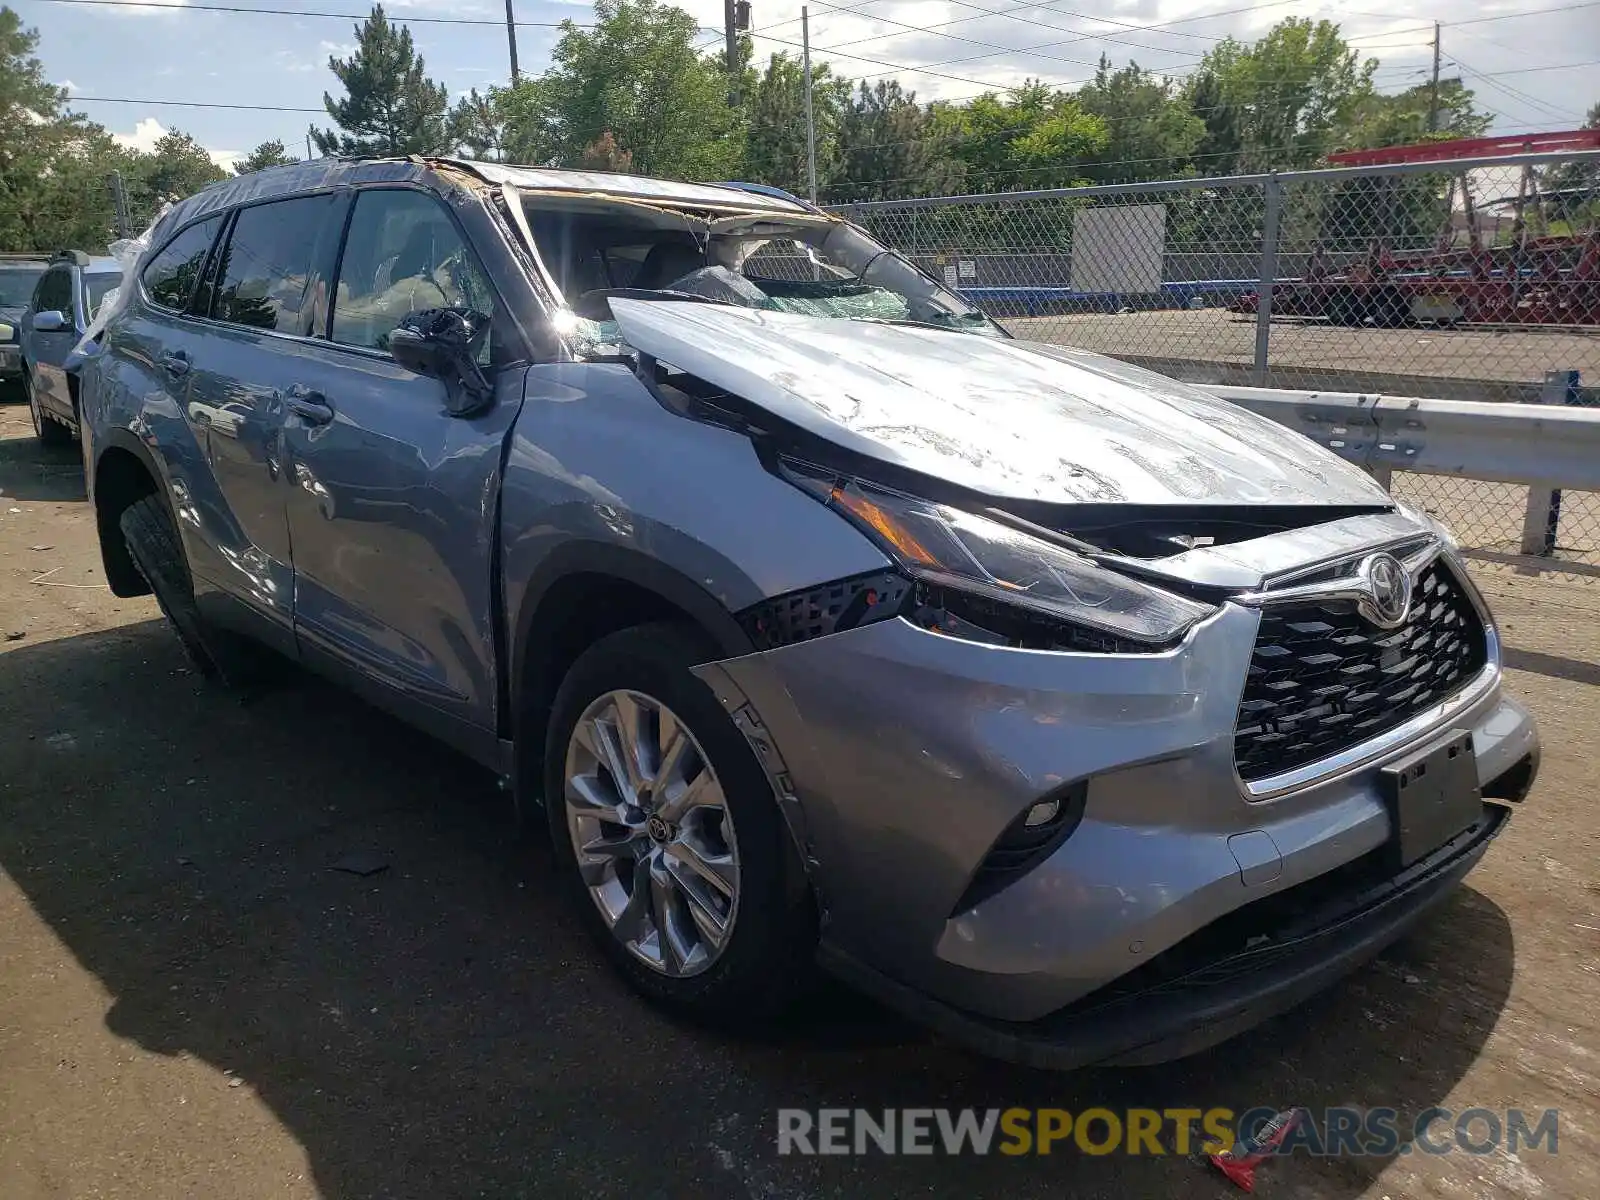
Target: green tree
point(478, 126)
point(603, 154)
point(775, 135)
point(1282, 102)
point(1218, 148)
point(1034, 138)
point(391, 107)
point(1151, 131)
point(177, 166)
point(267, 154)
point(1402, 119)
point(889, 148)
point(1578, 184)
point(54, 164)
point(635, 73)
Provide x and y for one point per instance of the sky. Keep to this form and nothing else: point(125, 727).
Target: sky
point(126, 64)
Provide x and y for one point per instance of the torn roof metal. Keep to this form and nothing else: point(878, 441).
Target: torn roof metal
point(315, 174)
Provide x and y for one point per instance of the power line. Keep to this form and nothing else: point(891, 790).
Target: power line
point(1032, 51)
point(1515, 93)
point(936, 30)
point(295, 12)
point(1082, 37)
point(195, 104)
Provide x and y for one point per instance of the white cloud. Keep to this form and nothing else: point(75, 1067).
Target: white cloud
point(337, 49)
point(144, 137)
point(68, 86)
point(288, 60)
point(148, 131)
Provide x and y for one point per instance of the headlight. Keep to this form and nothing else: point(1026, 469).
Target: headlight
point(1429, 522)
point(7, 332)
point(1007, 568)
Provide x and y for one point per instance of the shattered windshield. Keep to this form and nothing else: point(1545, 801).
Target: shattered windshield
point(806, 264)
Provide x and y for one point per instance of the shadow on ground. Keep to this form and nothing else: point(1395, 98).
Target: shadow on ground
point(34, 472)
point(442, 1029)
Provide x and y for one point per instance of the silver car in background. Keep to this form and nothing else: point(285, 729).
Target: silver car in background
point(63, 304)
point(1061, 705)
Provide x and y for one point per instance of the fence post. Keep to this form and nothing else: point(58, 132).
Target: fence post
point(1269, 274)
point(1543, 514)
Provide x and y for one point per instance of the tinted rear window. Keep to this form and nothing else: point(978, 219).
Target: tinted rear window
point(266, 264)
point(171, 275)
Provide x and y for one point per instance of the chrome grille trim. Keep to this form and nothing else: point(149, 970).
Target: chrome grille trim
point(1314, 673)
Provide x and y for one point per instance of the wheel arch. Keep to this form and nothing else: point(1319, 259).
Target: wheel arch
point(124, 472)
point(578, 594)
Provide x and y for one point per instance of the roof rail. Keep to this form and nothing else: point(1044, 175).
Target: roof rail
point(73, 256)
point(23, 256)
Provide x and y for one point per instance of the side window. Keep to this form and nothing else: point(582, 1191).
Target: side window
point(403, 254)
point(170, 276)
point(263, 271)
point(55, 293)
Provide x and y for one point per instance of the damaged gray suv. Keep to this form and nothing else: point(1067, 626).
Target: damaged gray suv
point(1072, 711)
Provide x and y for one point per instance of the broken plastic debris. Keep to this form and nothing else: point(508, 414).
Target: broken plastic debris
point(362, 862)
point(1239, 1164)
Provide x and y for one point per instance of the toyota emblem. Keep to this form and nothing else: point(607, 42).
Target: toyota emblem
point(1387, 587)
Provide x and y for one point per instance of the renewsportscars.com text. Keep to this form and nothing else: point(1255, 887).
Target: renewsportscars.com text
point(1337, 1132)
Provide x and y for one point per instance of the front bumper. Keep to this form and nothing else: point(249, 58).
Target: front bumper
point(900, 755)
point(1173, 1013)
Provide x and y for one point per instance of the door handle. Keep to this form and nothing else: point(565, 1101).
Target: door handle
point(175, 363)
point(309, 405)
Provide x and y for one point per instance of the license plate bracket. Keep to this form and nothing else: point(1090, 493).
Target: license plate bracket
point(1432, 796)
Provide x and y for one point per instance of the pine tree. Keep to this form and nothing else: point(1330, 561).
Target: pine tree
point(391, 107)
point(269, 154)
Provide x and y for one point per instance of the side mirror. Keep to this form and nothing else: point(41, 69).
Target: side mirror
point(50, 321)
point(443, 343)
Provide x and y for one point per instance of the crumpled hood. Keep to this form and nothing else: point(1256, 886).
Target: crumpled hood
point(1014, 420)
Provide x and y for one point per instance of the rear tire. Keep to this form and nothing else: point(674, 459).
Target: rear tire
point(757, 958)
point(153, 544)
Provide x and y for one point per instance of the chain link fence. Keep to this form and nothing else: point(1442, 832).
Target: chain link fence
point(1470, 280)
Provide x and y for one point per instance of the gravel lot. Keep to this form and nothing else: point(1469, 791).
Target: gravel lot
point(194, 1004)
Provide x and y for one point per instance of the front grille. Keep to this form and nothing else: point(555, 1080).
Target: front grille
point(1324, 678)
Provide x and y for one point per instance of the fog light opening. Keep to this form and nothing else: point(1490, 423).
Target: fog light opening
point(1043, 812)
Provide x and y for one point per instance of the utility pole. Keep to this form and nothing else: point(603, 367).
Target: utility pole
point(119, 205)
point(511, 40)
point(811, 120)
point(730, 26)
point(1433, 87)
point(309, 155)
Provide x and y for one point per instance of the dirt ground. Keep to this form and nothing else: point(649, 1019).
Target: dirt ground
point(193, 1004)
point(1316, 354)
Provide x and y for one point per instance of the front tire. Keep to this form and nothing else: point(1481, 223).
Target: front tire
point(152, 541)
point(668, 833)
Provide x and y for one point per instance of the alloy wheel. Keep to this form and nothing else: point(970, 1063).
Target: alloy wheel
point(652, 833)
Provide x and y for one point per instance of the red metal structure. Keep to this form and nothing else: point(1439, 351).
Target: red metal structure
point(1488, 147)
point(1530, 278)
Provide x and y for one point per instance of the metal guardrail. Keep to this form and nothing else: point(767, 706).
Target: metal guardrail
point(1547, 446)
